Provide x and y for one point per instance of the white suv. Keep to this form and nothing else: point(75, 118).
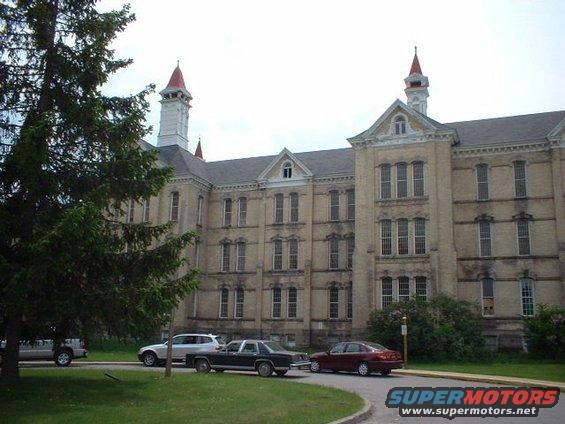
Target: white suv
point(62, 354)
point(156, 354)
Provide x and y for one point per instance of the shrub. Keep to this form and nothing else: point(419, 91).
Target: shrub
point(442, 329)
point(545, 332)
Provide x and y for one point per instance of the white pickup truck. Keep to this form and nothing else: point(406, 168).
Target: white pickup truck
point(62, 354)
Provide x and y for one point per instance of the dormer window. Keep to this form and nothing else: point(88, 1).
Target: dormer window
point(287, 170)
point(400, 125)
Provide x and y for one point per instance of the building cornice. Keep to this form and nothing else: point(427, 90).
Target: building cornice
point(493, 149)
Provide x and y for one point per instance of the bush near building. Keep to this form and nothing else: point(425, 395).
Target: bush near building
point(440, 330)
point(545, 332)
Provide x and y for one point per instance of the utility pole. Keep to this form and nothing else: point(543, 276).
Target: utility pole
point(404, 332)
point(169, 361)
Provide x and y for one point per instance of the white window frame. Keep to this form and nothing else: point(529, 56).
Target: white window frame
point(239, 246)
point(224, 266)
point(333, 289)
point(532, 297)
point(279, 290)
point(403, 181)
point(417, 288)
point(291, 254)
point(289, 303)
point(239, 292)
point(279, 209)
point(481, 238)
point(222, 303)
point(242, 211)
point(391, 295)
point(334, 195)
point(484, 183)
point(287, 170)
point(386, 183)
point(389, 237)
point(529, 229)
point(419, 237)
point(351, 204)
point(294, 212)
point(400, 125)
point(518, 179)
point(276, 255)
point(146, 209)
point(333, 254)
point(227, 222)
point(404, 296)
point(172, 206)
point(401, 237)
point(418, 180)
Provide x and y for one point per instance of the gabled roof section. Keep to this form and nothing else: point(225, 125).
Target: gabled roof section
point(285, 153)
point(422, 119)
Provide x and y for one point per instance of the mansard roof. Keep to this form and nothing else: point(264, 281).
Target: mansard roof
point(482, 132)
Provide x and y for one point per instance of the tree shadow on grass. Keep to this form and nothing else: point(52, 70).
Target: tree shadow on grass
point(51, 395)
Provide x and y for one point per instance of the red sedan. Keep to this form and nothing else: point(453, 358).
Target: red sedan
point(362, 357)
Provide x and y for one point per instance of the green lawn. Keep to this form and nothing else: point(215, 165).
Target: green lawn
point(538, 370)
point(87, 396)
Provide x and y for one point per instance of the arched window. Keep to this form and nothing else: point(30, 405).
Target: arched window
point(400, 125)
point(287, 170)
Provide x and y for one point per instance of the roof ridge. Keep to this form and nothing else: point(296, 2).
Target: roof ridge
point(274, 156)
point(506, 117)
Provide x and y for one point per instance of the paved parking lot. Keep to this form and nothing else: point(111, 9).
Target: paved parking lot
point(375, 388)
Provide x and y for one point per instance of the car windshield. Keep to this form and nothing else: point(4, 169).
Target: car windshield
point(274, 347)
point(376, 346)
point(220, 340)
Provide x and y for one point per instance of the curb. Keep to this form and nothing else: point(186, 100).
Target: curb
point(484, 378)
point(359, 416)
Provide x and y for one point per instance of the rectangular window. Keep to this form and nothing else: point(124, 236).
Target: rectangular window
point(350, 302)
point(386, 292)
point(225, 257)
point(402, 234)
point(224, 294)
point(293, 207)
point(482, 182)
point(401, 180)
point(487, 287)
point(292, 302)
point(239, 299)
point(334, 205)
point(523, 228)
point(351, 204)
point(334, 253)
point(227, 212)
point(293, 254)
point(403, 289)
point(277, 254)
point(334, 302)
point(421, 288)
point(131, 211)
point(174, 212)
point(418, 178)
point(276, 302)
point(385, 181)
point(279, 208)
point(350, 249)
point(527, 295)
point(242, 212)
point(240, 247)
point(199, 211)
point(420, 236)
point(485, 248)
point(520, 178)
point(146, 209)
point(386, 237)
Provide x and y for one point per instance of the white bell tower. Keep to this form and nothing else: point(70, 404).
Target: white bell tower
point(175, 103)
point(417, 87)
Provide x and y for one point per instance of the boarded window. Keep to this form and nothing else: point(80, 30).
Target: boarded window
point(487, 286)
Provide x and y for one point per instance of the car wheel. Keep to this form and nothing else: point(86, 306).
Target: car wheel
point(265, 369)
point(63, 358)
point(149, 359)
point(315, 366)
point(281, 373)
point(363, 369)
point(202, 366)
point(385, 373)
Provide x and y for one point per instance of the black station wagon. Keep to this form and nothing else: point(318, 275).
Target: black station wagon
point(262, 356)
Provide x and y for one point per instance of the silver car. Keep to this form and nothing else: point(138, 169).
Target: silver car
point(63, 354)
point(156, 354)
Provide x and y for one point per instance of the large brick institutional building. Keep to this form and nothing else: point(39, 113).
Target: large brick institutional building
point(301, 247)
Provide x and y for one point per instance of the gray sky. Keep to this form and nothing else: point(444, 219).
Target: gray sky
point(306, 74)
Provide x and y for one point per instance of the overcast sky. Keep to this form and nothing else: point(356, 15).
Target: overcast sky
point(306, 74)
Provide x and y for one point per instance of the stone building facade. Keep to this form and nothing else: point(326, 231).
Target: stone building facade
point(301, 247)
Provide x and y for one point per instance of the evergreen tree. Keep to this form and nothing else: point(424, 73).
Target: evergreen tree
point(69, 157)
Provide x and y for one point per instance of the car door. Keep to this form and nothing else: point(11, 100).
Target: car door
point(334, 357)
point(247, 355)
point(178, 345)
point(205, 344)
point(224, 357)
point(351, 357)
point(189, 345)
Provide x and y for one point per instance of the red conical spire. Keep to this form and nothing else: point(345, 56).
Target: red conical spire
point(198, 152)
point(415, 68)
point(176, 81)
